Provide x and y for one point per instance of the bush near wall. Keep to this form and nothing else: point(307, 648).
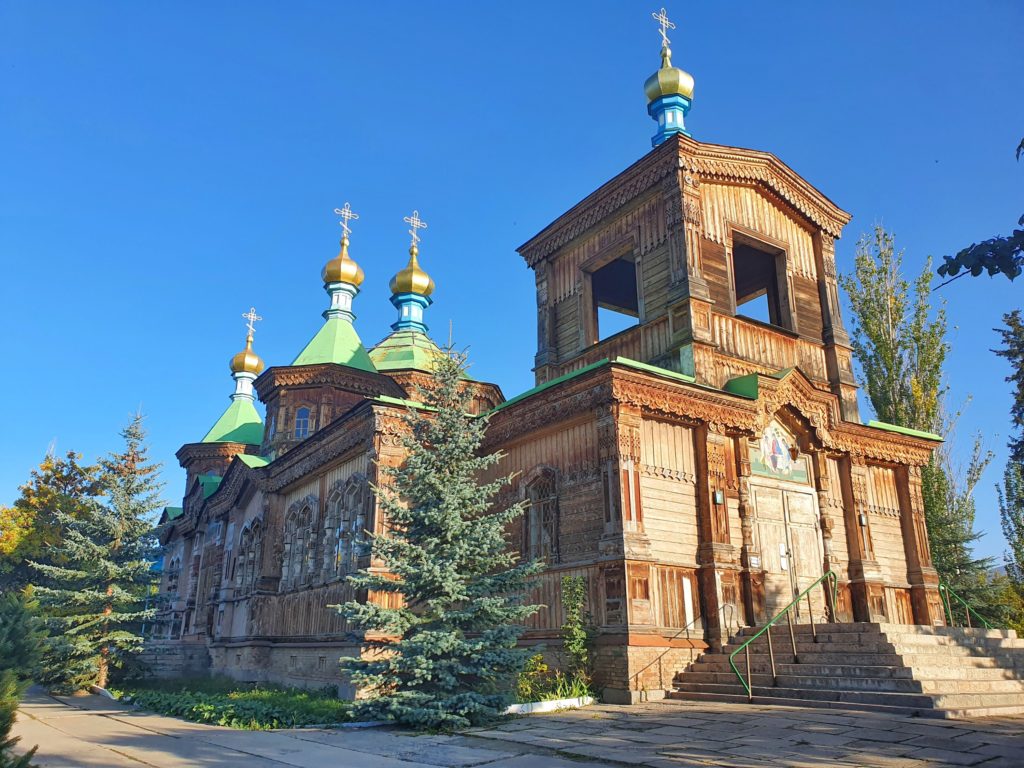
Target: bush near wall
point(237, 705)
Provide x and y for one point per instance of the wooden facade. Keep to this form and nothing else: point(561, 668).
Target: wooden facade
point(698, 469)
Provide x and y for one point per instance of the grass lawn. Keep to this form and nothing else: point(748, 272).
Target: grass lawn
point(221, 701)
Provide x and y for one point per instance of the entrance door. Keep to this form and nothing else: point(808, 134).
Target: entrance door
point(791, 553)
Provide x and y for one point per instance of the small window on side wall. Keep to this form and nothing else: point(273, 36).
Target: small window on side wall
point(301, 423)
point(615, 297)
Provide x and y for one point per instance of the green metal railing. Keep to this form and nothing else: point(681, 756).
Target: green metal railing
point(946, 593)
point(831, 595)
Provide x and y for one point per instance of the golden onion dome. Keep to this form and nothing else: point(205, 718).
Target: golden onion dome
point(412, 279)
point(342, 269)
point(669, 80)
point(247, 361)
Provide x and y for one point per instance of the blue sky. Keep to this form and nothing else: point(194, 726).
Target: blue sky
point(167, 165)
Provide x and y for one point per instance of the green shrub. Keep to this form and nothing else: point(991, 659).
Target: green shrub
point(238, 705)
point(539, 682)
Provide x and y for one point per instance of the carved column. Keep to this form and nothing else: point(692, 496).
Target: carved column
point(865, 575)
point(752, 578)
point(717, 558)
point(923, 578)
point(823, 486)
point(546, 353)
point(628, 427)
point(838, 357)
point(269, 577)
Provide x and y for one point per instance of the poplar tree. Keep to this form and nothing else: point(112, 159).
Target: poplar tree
point(29, 529)
point(441, 649)
point(1011, 494)
point(95, 599)
point(899, 341)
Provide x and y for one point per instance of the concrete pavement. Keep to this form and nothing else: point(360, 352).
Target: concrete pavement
point(88, 731)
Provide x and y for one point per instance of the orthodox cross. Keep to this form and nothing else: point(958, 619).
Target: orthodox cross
point(346, 214)
point(416, 223)
point(662, 19)
point(252, 317)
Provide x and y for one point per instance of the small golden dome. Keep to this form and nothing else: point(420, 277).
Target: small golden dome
point(342, 269)
point(247, 361)
point(412, 279)
point(669, 80)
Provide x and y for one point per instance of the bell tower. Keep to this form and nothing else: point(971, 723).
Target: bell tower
point(707, 260)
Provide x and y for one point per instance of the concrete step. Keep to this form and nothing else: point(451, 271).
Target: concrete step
point(811, 682)
point(963, 672)
point(820, 657)
point(890, 629)
point(895, 710)
point(885, 698)
point(952, 685)
point(818, 670)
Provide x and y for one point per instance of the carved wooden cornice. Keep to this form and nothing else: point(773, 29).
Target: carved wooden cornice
point(235, 482)
point(353, 430)
point(326, 375)
point(191, 452)
point(736, 165)
point(551, 406)
point(643, 175)
point(710, 162)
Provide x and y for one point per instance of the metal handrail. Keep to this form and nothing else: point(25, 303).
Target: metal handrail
point(967, 608)
point(831, 598)
point(732, 611)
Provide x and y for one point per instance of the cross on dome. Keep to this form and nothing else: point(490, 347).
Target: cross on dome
point(416, 223)
point(347, 214)
point(662, 18)
point(252, 317)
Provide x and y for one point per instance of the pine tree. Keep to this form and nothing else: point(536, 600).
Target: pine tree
point(95, 599)
point(447, 657)
point(29, 529)
point(899, 341)
point(21, 637)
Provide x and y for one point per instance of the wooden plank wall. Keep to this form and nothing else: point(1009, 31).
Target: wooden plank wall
point(724, 205)
point(886, 532)
point(668, 485)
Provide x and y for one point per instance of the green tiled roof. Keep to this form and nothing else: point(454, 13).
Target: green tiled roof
point(210, 483)
point(240, 423)
point(253, 461)
point(336, 342)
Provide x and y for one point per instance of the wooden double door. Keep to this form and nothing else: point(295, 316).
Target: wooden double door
point(790, 547)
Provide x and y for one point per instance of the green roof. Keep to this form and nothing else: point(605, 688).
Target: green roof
point(648, 368)
point(240, 423)
point(336, 342)
point(253, 461)
point(172, 513)
point(406, 349)
point(210, 483)
point(548, 384)
point(904, 430)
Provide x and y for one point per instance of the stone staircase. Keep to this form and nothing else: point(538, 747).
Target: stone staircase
point(943, 672)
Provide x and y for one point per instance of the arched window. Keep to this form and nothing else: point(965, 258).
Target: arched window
point(250, 556)
point(540, 523)
point(297, 558)
point(302, 423)
point(344, 527)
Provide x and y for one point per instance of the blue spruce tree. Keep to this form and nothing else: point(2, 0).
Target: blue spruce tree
point(447, 657)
